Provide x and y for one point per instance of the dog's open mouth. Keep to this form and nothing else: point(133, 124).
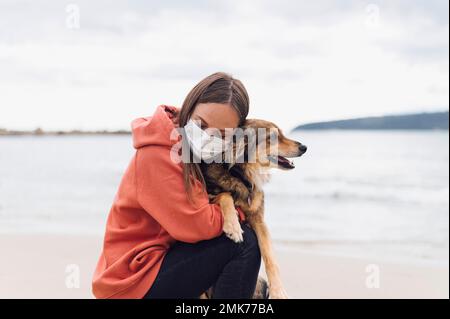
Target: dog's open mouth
point(282, 161)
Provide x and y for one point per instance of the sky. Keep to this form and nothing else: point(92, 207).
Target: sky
point(97, 64)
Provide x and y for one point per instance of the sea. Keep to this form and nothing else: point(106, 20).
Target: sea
point(369, 194)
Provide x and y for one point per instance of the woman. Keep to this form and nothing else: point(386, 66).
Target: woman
point(163, 238)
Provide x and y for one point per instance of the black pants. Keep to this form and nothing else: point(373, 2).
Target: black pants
point(188, 270)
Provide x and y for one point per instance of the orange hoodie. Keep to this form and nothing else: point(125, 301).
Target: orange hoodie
point(150, 212)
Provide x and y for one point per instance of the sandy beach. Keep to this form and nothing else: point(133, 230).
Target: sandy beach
point(43, 266)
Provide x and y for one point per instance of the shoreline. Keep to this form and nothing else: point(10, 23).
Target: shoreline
point(341, 249)
point(335, 250)
point(41, 266)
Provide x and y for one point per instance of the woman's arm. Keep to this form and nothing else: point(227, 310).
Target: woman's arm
point(161, 192)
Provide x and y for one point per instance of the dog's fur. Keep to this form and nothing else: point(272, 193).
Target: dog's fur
point(240, 184)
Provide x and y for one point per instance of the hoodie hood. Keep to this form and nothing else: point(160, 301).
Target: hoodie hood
point(155, 129)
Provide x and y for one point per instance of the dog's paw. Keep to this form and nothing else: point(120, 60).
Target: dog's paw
point(278, 293)
point(262, 289)
point(233, 230)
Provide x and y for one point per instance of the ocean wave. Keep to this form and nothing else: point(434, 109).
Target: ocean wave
point(439, 198)
point(359, 242)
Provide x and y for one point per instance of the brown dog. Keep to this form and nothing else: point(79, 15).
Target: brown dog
point(239, 183)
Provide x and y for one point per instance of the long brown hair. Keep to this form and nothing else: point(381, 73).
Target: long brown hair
point(220, 88)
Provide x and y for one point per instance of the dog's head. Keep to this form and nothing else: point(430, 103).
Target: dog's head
point(264, 143)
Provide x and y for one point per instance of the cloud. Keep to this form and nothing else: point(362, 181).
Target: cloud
point(314, 60)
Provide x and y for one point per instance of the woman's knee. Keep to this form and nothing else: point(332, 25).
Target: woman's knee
point(250, 243)
point(249, 235)
point(248, 247)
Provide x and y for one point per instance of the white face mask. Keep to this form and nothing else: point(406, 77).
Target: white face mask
point(203, 145)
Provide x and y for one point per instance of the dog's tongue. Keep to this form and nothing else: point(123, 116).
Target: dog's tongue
point(284, 160)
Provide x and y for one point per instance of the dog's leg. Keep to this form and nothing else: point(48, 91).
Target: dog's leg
point(255, 217)
point(207, 294)
point(231, 226)
point(276, 290)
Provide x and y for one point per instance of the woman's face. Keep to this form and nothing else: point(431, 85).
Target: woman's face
point(216, 115)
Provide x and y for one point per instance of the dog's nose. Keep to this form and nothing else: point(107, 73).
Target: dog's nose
point(303, 148)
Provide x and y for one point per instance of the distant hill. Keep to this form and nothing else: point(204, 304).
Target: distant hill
point(41, 132)
point(419, 121)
